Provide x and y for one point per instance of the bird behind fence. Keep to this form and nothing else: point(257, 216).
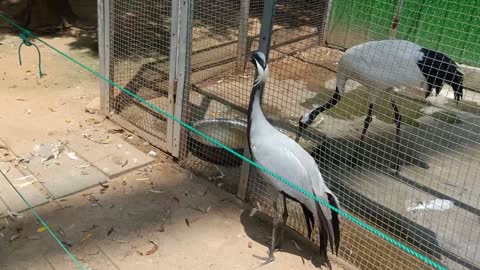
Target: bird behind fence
point(283, 156)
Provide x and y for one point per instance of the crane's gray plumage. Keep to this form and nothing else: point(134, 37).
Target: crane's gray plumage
point(383, 65)
point(280, 154)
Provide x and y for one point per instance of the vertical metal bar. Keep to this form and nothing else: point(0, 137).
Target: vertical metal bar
point(396, 20)
point(172, 78)
point(183, 53)
point(326, 24)
point(264, 46)
point(242, 50)
point(103, 13)
point(267, 26)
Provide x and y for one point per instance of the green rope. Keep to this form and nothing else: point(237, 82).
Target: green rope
point(25, 41)
point(44, 223)
point(251, 162)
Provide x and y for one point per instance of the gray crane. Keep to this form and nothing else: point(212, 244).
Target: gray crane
point(382, 65)
point(283, 156)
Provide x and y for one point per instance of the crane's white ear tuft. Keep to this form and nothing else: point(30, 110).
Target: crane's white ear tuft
point(262, 74)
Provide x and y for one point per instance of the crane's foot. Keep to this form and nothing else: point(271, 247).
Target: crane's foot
point(267, 260)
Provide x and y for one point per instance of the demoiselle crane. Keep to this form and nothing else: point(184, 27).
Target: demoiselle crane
point(283, 156)
point(382, 65)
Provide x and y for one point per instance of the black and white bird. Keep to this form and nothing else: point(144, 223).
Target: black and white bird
point(384, 65)
point(283, 156)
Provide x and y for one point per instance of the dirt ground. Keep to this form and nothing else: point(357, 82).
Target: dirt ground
point(183, 222)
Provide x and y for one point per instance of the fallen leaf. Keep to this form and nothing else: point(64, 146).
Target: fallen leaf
point(119, 241)
point(88, 235)
point(116, 130)
point(125, 163)
point(156, 191)
point(41, 229)
point(153, 250)
point(187, 222)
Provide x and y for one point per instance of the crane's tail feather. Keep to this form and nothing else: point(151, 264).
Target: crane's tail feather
point(332, 199)
point(325, 230)
point(309, 220)
point(329, 226)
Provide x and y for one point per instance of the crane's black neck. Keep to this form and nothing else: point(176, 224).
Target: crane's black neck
point(256, 94)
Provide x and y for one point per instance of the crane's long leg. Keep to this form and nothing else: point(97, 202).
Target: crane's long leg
point(284, 221)
point(367, 121)
point(366, 124)
point(276, 219)
point(398, 122)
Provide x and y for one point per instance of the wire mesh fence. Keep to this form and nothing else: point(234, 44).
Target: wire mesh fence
point(430, 203)
point(139, 59)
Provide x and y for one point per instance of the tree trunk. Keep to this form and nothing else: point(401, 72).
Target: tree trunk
point(47, 15)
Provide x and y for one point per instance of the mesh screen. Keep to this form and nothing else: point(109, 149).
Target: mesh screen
point(431, 204)
point(139, 60)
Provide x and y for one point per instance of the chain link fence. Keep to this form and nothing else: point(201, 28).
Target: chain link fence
point(431, 204)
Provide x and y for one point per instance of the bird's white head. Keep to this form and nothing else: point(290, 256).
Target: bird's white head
point(260, 62)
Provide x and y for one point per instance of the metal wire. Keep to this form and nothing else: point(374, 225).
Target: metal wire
point(439, 153)
point(139, 59)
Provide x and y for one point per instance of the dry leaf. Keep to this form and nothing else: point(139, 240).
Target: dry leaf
point(41, 229)
point(88, 235)
point(125, 163)
point(116, 130)
point(153, 250)
point(156, 191)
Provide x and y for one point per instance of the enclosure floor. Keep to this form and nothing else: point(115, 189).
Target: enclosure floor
point(224, 238)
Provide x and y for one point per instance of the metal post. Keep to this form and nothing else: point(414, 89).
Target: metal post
point(326, 23)
point(396, 20)
point(182, 68)
point(267, 26)
point(264, 46)
point(242, 49)
point(103, 13)
point(172, 79)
